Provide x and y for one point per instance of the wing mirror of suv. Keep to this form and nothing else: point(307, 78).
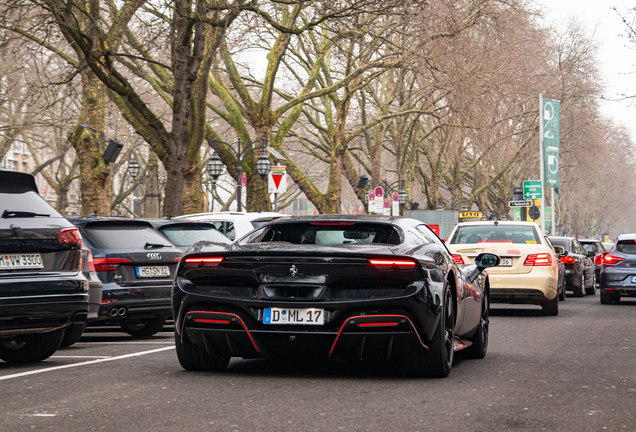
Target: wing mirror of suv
point(560, 250)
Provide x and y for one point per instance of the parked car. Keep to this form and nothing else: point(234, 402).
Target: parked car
point(184, 233)
point(136, 265)
point(335, 286)
point(559, 251)
point(73, 333)
point(618, 272)
point(528, 272)
point(595, 251)
point(579, 268)
point(42, 290)
point(234, 224)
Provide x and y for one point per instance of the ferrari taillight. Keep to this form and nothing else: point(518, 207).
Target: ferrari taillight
point(540, 259)
point(202, 261)
point(612, 260)
point(388, 264)
point(109, 264)
point(458, 259)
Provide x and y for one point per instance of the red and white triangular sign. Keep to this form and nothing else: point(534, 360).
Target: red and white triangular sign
point(277, 180)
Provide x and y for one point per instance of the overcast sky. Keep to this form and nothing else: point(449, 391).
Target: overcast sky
point(617, 60)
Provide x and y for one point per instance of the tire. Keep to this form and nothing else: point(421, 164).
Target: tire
point(562, 293)
point(580, 291)
point(144, 327)
point(480, 339)
point(32, 348)
point(551, 308)
point(72, 334)
point(437, 360)
point(194, 358)
point(592, 289)
point(606, 298)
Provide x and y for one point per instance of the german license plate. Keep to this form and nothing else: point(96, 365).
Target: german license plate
point(21, 261)
point(633, 279)
point(294, 316)
point(505, 262)
point(153, 271)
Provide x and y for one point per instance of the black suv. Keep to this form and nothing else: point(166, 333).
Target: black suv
point(136, 264)
point(42, 290)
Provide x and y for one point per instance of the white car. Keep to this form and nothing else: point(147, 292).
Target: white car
point(234, 224)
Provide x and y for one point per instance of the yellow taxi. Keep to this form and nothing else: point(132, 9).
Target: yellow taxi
point(528, 272)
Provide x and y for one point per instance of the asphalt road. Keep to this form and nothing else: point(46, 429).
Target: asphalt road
point(572, 372)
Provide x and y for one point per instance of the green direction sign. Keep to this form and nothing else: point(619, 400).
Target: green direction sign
point(547, 215)
point(550, 141)
point(532, 189)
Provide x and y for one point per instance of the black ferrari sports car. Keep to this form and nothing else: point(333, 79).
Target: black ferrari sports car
point(335, 287)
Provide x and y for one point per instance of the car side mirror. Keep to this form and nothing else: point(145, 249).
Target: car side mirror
point(560, 250)
point(485, 260)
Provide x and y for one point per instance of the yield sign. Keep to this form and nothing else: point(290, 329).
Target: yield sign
point(277, 180)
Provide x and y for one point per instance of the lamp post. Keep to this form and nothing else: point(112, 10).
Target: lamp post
point(215, 165)
point(133, 167)
point(452, 204)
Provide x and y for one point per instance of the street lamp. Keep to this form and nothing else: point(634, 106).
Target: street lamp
point(452, 204)
point(263, 166)
point(133, 168)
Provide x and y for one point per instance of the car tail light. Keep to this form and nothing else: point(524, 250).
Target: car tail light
point(91, 263)
point(567, 260)
point(598, 259)
point(202, 261)
point(458, 259)
point(387, 264)
point(109, 264)
point(332, 223)
point(70, 236)
point(540, 259)
point(611, 259)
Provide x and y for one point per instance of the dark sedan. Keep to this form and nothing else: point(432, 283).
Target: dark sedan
point(618, 272)
point(135, 264)
point(331, 287)
point(42, 290)
point(579, 268)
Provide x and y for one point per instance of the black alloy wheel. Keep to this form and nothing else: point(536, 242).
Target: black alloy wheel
point(195, 358)
point(31, 348)
point(143, 327)
point(480, 339)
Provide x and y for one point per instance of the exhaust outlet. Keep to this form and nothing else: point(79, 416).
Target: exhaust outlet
point(80, 317)
point(122, 311)
point(113, 312)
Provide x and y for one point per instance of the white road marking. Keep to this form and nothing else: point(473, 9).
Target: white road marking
point(22, 374)
point(71, 357)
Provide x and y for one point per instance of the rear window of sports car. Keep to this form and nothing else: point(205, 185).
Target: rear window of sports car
point(327, 233)
point(472, 234)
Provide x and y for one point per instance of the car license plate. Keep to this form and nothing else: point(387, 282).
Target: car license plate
point(21, 261)
point(505, 262)
point(633, 279)
point(153, 271)
point(294, 316)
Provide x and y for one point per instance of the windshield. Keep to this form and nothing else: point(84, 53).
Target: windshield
point(327, 233)
point(627, 247)
point(29, 202)
point(124, 236)
point(473, 234)
point(187, 235)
